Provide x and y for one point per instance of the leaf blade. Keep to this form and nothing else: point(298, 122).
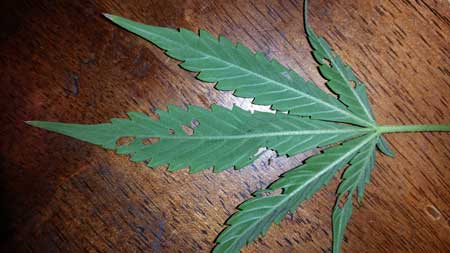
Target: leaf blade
point(355, 178)
point(383, 147)
point(341, 217)
point(339, 75)
point(297, 185)
point(223, 138)
point(235, 67)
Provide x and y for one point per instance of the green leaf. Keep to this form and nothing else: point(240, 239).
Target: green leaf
point(257, 214)
point(250, 75)
point(355, 177)
point(367, 171)
point(223, 138)
point(383, 146)
point(341, 216)
point(339, 76)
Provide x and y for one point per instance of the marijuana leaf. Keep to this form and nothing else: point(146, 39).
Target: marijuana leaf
point(223, 138)
point(306, 117)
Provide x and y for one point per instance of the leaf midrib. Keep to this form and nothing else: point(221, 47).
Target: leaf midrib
point(267, 134)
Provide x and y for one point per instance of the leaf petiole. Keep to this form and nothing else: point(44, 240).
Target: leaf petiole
point(412, 128)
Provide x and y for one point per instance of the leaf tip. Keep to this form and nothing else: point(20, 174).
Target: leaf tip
point(32, 123)
point(109, 16)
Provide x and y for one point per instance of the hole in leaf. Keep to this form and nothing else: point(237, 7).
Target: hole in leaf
point(352, 84)
point(124, 140)
point(187, 130)
point(286, 74)
point(260, 151)
point(267, 192)
point(194, 123)
point(276, 192)
point(151, 140)
point(433, 212)
point(171, 131)
point(327, 62)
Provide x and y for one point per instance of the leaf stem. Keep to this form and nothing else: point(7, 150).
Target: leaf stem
point(412, 128)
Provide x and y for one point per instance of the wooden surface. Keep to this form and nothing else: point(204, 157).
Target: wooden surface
point(61, 60)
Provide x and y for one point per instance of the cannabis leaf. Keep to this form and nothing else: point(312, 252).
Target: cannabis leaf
point(223, 138)
point(305, 117)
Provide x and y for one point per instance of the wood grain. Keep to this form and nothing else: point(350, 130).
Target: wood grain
point(61, 60)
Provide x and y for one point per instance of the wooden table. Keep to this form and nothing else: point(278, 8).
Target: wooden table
point(61, 60)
